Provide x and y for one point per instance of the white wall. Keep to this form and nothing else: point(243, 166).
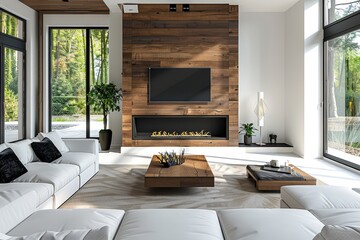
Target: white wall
point(294, 77)
point(115, 69)
point(303, 78)
point(262, 62)
point(313, 87)
point(23, 11)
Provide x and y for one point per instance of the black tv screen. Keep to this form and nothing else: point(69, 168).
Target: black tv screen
point(179, 85)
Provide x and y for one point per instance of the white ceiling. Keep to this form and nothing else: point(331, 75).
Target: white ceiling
point(245, 5)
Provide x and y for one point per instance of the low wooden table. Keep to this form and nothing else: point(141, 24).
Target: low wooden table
point(195, 172)
point(275, 185)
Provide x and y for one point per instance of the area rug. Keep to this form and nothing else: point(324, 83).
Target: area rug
point(122, 187)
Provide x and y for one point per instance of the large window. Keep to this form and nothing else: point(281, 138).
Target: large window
point(79, 59)
point(12, 77)
point(342, 83)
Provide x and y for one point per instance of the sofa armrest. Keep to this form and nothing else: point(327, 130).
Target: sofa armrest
point(83, 145)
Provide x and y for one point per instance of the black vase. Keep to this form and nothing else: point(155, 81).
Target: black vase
point(247, 140)
point(105, 136)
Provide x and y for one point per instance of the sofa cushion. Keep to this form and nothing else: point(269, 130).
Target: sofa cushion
point(332, 232)
point(56, 174)
point(15, 206)
point(341, 217)
point(259, 224)
point(23, 150)
point(43, 190)
point(69, 219)
point(56, 139)
point(357, 190)
point(172, 224)
point(317, 197)
point(80, 159)
point(83, 234)
point(10, 166)
point(46, 150)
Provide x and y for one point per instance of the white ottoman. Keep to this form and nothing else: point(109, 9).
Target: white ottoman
point(174, 224)
point(318, 197)
point(260, 224)
point(59, 220)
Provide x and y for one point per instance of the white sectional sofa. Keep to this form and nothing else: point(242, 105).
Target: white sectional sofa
point(28, 209)
point(46, 185)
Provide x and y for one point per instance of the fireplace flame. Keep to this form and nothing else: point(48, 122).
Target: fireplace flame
point(202, 133)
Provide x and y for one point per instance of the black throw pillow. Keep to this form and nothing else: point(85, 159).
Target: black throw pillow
point(46, 150)
point(10, 166)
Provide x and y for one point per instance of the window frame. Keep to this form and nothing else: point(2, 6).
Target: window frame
point(87, 75)
point(333, 30)
point(17, 44)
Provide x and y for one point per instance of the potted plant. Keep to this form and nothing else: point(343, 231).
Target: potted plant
point(249, 130)
point(105, 98)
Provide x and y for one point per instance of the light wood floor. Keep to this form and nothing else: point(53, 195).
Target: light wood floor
point(122, 187)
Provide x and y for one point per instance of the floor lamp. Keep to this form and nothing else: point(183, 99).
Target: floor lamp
point(260, 113)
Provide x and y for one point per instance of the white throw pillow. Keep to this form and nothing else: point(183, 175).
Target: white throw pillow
point(23, 150)
point(334, 232)
point(4, 237)
point(56, 139)
point(78, 234)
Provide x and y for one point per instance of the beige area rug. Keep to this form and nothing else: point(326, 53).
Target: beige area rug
point(122, 187)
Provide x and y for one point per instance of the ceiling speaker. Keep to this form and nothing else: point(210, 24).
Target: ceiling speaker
point(131, 8)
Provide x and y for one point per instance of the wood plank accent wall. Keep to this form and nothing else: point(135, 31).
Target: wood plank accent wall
point(207, 36)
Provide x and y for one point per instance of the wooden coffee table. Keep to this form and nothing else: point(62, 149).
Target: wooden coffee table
point(195, 172)
point(275, 185)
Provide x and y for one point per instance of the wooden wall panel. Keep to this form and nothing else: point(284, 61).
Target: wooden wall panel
point(207, 36)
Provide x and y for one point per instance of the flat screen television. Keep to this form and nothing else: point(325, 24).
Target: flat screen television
point(179, 85)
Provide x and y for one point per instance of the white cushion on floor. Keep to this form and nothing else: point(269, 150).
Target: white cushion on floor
point(56, 174)
point(260, 224)
point(23, 150)
point(69, 219)
point(341, 217)
point(317, 197)
point(80, 159)
point(84, 234)
point(174, 224)
point(56, 140)
point(43, 190)
point(332, 232)
point(15, 206)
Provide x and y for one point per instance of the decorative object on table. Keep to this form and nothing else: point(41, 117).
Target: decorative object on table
point(105, 98)
point(249, 130)
point(275, 163)
point(272, 138)
point(286, 170)
point(260, 113)
point(168, 159)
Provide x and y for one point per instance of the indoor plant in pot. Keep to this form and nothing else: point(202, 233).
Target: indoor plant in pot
point(249, 130)
point(105, 98)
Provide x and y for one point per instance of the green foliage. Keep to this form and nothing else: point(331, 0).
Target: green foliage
point(68, 68)
point(105, 97)
point(248, 128)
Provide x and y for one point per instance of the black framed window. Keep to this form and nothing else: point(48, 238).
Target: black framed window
point(79, 58)
point(342, 82)
point(12, 77)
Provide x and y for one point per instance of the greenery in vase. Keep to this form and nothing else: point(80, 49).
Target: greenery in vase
point(248, 128)
point(169, 159)
point(105, 98)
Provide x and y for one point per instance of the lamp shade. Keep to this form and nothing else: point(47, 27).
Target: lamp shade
point(260, 109)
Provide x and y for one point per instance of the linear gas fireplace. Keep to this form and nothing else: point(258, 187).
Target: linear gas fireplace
point(180, 127)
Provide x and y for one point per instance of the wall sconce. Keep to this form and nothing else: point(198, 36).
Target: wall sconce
point(186, 8)
point(172, 8)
